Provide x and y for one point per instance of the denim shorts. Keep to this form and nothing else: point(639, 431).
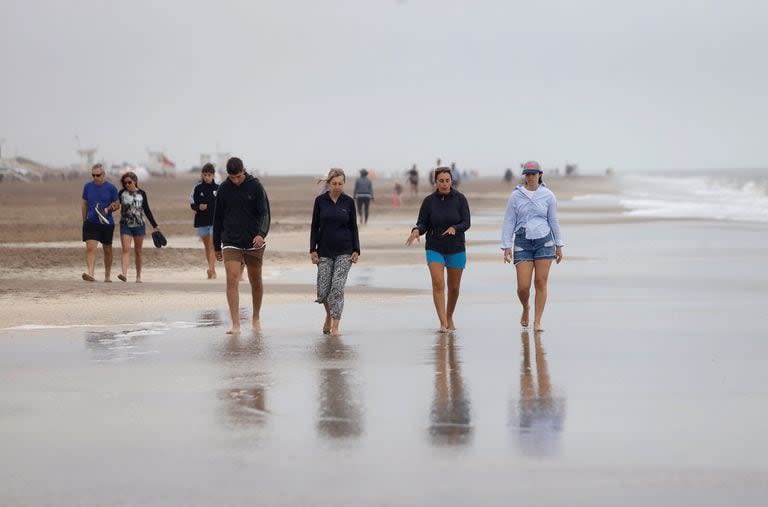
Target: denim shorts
point(206, 230)
point(455, 261)
point(529, 250)
point(133, 231)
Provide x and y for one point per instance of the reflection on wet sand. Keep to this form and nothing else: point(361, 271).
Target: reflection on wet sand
point(340, 405)
point(245, 403)
point(450, 414)
point(116, 346)
point(209, 318)
point(539, 415)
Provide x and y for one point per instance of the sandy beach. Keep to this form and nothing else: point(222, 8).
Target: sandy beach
point(43, 255)
point(647, 386)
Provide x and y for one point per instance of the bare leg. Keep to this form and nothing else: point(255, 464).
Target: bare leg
point(138, 243)
point(327, 323)
point(335, 327)
point(454, 284)
point(90, 256)
point(107, 262)
point(210, 255)
point(540, 278)
point(437, 272)
point(232, 269)
point(524, 272)
point(257, 292)
point(125, 244)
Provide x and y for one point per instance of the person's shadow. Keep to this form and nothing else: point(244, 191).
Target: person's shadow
point(340, 407)
point(450, 414)
point(538, 415)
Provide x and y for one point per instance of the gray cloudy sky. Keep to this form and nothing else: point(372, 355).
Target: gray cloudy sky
point(301, 85)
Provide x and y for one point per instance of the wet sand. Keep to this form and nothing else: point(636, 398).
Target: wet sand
point(648, 386)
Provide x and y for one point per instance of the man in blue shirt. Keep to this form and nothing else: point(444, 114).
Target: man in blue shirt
point(99, 201)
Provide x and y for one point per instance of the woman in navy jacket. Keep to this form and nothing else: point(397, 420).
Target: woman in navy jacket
point(443, 218)
point(334, 245)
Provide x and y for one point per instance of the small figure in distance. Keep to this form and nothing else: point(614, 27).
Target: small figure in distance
point(240, 225)
point(202, 200)
point(100, 199)
point(444, 217)
point(532, 229)
point(334, 245)
point(413, 180)
point(363, 195)
point(508, 175)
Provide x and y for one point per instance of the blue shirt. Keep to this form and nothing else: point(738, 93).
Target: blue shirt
point(536, 213)
point(104, 194)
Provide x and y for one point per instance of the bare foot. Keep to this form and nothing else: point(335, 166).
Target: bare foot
point(451, 326)
point(234, 330)
point(443, 329)
point(107, 280)
point(524, 316)
point(122, 278)
point(327, 325)
point(209, 272)
point(138, 280)
point(256, 324)
point(88, 278)
point(335, 332)
point(537, 327)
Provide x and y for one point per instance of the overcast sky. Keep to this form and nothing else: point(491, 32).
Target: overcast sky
point(302, 85)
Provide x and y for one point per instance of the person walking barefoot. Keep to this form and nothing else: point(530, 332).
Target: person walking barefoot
point(240, 226)
point(334, 245)
point(444, 218)
point(202, 200)
point(134, 208)
point(531, 239)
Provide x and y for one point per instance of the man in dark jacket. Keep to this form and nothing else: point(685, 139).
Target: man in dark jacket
point(240, 226)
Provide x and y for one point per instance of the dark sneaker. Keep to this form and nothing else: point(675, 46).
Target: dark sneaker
point(102, 214)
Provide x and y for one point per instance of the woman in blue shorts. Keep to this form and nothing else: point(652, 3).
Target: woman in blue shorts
point(531, 238)
point(134, 208)
point(443, 218)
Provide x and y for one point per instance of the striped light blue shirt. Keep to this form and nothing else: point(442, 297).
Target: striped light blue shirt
point(538, 214)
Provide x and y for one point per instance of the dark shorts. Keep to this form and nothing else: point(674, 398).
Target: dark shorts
point(250, 257)
point(529, 250)
point(139, 231)
point(102, 233)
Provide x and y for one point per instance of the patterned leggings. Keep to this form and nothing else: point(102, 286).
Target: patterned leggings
point(331, 276)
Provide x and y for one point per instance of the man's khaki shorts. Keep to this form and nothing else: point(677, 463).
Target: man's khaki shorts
point(253, 258)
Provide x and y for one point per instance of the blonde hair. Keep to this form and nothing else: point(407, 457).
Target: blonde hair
point(333, 173)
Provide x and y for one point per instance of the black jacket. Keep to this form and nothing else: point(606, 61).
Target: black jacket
point(334, 226)
point(437, 213)
point(241, 214)
point(203, 193)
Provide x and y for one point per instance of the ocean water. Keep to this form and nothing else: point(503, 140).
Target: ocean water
point(734, 195)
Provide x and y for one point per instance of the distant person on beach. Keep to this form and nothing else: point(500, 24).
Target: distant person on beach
point(134, 207)
point(508, 176)
point(363, 195)
point(241, 222)
point(413, 180)
point(531, 239)
point(396, 191)
point(100, 199)
point(444, 217)
point(334, 245)
point(203, 201)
